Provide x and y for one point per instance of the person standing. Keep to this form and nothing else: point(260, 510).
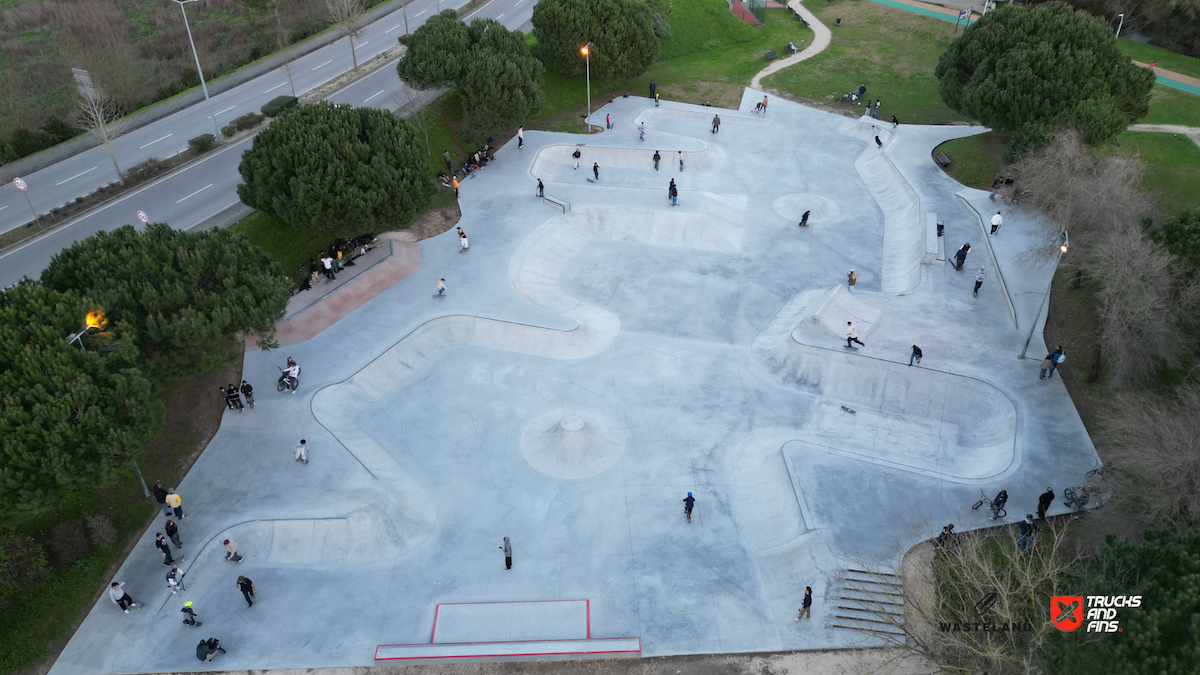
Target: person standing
point(852, 334)
point(328, 263)
point(301, 450)
point(160, 495)
point(876, 113)
point(207, 649)
point(225, 402)
point(441, 288)
point(764, 105)
point(248, 393)
point(607, 122)
point(656, 100)
point(642, 132)
point(961, 256)
point(804, 219)
point(653, 88)
point(541, 189)
point(996, 186)
point(596, 170)
point(674, 192)
point(175, 580)
point(175, 502)
point(1044, 502)
point(520, 137)
point(231, 553)
point(462, 240)
point(454, 184)
point(680, 161)
point(1056, 358)
point(1028, 529)
point(576, 155)
point(116, 591)
point(851, 279)
point(997, 221)
point(657, 157)
point(249, 592)
point(806, 604)
point(998, 503)
point(161, 543)
point(1046, 365)
point(446, 155)
point(173, 532)
point(915, 356)
point(716, 123)
point(507, 547)
point(670, 189)
point(979, 280)
point(235, 398)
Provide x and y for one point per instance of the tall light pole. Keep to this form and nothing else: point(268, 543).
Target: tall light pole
point(586, 50)
point(1122, 23)
point(199, 70)
point(1062, 248)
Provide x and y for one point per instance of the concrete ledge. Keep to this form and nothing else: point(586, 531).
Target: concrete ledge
point(934, 254)
point(562, 205)
point(983, 229)
point(512, 651)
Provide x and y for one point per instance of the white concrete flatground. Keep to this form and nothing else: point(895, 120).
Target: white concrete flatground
point(586, 370)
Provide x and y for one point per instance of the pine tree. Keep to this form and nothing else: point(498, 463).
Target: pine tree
point(621, 33)
point(72, 419)
point(184, 295)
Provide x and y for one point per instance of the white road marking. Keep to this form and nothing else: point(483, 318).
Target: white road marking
point(324, 64)
point(3, 207)
point(222, 112)
point(391, 29)
point(196, 192)
point(155, 141)
point(500, 17)
point(76, 175)
point(421, 12)
point(364, 44)
point(374, 95)
point(274, 88)
point(519, 2)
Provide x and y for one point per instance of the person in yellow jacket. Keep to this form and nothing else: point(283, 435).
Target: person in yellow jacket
point(454, 184)
point(175, 502)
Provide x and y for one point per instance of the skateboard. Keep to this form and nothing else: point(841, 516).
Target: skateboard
point(849, 410)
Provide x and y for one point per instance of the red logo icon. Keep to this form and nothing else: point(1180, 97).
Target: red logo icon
point(1066, 612)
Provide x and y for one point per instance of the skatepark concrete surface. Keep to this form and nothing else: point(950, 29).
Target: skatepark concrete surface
point(597, 356)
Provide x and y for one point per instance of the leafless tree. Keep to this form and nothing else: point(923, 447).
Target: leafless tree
point(408, 103)
point(281, 39)
point(100, 116)
point(979, 577)
point(348, 16)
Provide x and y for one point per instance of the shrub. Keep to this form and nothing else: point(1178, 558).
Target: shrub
point(23, 566)
point(1181, 235)
point(68, 542)
point(229, 131)
point(202, 143)
point(101, 530)
point(247, 121)
point(278, 104)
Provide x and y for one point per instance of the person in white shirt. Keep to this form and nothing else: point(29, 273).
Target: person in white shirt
point(997, 221)
point(979, 280)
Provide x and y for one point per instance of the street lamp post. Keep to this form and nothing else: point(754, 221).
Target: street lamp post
point(1119, 25)
point(586, 50)
point(199, 70)
point(1062, 248)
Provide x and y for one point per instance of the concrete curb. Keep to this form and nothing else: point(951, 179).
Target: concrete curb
point(58, 153)
point(983, 229)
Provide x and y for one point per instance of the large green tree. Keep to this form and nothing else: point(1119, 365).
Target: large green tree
point(499, 80)
point(1033, 70)
point(71, 419)
point(337, 169)
point(621, 33)
point(1180, 235)
point(183, 294)
point(1162, 636)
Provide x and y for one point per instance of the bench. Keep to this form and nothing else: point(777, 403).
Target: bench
point(942, 160)
point(770, 55)
point(559, 204)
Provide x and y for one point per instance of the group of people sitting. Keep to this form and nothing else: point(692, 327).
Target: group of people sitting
point(344, 252)
point(476, 160)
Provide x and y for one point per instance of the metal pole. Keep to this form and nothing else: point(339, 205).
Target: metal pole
point(138, 470)
point(1122, 18)
point(404, 8)
point(1045, 300)
point(199, 70)
point(35, 215)
point(588, 58)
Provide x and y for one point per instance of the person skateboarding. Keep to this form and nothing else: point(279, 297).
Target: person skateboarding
point(688, 503)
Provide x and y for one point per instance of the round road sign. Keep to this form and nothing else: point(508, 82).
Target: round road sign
point(20, 184)
point(143, 217)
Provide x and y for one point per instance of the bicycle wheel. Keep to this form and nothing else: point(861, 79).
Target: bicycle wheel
point(1000, 513)
point(976, 505)
point(280, 386)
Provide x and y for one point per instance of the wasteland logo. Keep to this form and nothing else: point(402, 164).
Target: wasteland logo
point(981, 609)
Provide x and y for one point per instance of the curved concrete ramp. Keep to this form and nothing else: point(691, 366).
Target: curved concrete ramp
point(767, 507)
point(828, 316)
point(364, 536)
point(903, 219)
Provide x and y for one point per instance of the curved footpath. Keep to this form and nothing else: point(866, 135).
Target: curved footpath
point(821, 39)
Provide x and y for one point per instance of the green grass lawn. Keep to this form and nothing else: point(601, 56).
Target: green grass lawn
point(291, 246)
point(1171, 106)
point(892, 51)
point(975, 160)
point(1168, 60)
point(1172, 167)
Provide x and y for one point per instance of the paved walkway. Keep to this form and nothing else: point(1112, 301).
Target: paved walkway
point(821, 39)
point(1191, 132)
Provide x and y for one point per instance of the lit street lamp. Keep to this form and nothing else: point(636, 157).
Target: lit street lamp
point(199, 71)
point(586, 50)
point(1062, 248)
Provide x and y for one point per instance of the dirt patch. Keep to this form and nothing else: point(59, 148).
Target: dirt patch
point(429, 224)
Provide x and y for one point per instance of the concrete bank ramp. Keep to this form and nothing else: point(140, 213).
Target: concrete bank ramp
point(364, 536)
point(903, 219)
point(628, 167)
point(907, 417)
point(828, 316)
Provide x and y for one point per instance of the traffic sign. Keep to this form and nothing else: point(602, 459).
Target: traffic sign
point(20, 184)
point(143, 217)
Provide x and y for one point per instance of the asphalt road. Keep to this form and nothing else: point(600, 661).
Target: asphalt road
point(204, 188)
